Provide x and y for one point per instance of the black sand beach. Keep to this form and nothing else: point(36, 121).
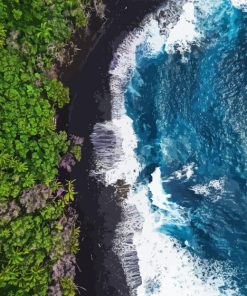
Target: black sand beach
point(99, 271)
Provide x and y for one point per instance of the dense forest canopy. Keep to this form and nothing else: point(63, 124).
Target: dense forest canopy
point(38, 236)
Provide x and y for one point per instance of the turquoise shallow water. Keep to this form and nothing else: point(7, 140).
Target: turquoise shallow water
point(189, 112)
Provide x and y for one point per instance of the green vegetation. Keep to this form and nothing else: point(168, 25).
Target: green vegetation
point(38, 236)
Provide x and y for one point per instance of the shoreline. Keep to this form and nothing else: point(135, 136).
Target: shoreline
point(99, 269)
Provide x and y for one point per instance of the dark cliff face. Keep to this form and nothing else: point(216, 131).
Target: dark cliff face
point(99, 271)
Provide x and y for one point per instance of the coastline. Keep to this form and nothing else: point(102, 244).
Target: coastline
point(99, 270)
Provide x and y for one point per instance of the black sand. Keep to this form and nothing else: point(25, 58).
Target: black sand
point(99, 271)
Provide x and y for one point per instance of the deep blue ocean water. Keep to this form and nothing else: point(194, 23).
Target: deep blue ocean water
point(189, 113)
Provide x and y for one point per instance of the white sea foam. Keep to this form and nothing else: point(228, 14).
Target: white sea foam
point(240, 4)
point(160, 199)
point(184, 174)
point(166, 267)
point(214, 189)
point(190, 28)
point(114, 146)
point(184, 33)
point(121, 71)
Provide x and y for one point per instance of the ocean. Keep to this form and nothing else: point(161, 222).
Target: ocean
point(179, 117)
